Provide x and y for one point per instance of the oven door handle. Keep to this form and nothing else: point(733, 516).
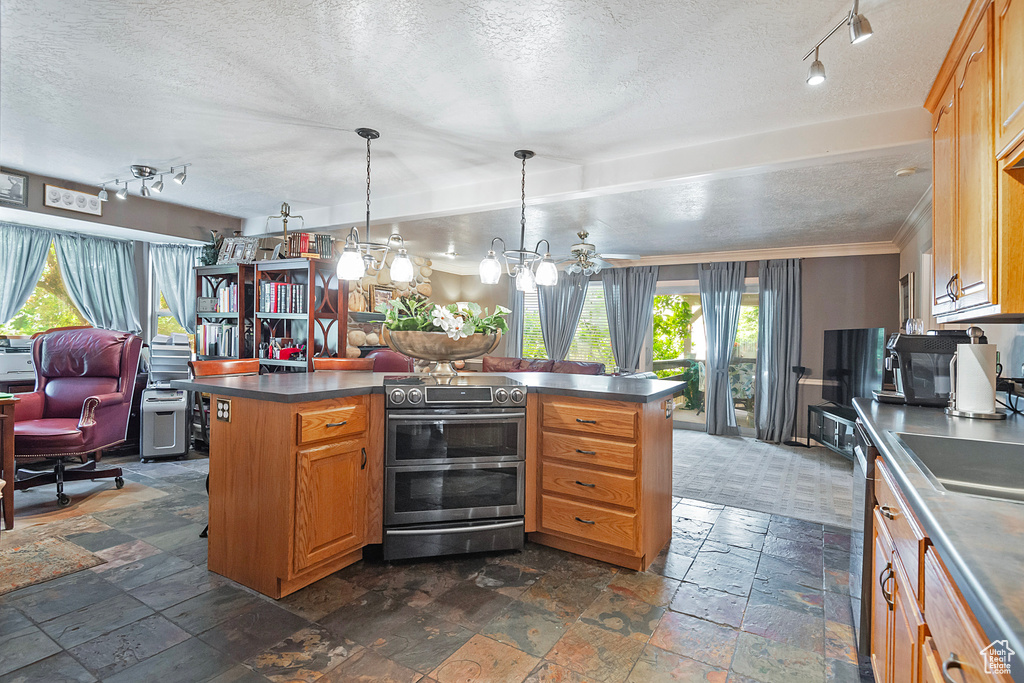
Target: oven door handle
point(475, 417)
point(454, 530)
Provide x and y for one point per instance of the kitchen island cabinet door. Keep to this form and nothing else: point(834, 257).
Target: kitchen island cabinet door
point(881, 605)
point(976, 171)
point(329, 502)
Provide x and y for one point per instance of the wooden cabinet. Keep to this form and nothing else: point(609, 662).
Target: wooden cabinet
point(977, 105)
point(907, 626)
point(296, 490)
point(603, 481)
point(881, 607)
point(1009, 37)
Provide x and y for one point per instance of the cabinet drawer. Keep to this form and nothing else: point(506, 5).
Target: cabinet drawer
point(589, 451)
point(952, 626)
point(903, 527)
point(580, 482)
point(589, 523)
point(590, 418)
point(331, 423)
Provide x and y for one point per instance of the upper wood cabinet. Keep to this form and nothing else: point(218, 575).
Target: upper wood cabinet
point(977, 106)
point(1009, 36)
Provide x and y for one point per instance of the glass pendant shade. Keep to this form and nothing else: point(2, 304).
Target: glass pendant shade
point(401, 268)
point(547, 273)
point(490, 269)
point(525, 280)
point(350, 265)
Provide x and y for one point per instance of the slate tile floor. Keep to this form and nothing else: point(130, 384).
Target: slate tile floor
point(736, 596)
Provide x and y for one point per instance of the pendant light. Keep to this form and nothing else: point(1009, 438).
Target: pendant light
point(372, 255)
point(520, 263)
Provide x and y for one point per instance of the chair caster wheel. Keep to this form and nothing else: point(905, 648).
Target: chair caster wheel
point(119, 482)
point(62, 500)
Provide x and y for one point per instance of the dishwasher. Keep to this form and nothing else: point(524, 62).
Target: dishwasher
point(861, 541)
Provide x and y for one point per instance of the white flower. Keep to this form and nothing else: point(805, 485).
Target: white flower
point(440, 316)
point(456, 328)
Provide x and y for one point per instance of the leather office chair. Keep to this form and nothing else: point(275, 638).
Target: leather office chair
point(357, 364)
point(85, 380)
point(386, 360)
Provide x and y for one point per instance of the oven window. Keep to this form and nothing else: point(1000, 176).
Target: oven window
point(455, 489)
point(422, 441)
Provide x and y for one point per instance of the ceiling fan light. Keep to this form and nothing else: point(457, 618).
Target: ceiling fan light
point(401, 268)
point(525, 280)
point(490, 269)
point(350, 264)
point(860, 29)
point(816, 74)
point(547, 272)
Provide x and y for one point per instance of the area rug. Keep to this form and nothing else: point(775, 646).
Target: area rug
point(812, 484)
point(41, 560)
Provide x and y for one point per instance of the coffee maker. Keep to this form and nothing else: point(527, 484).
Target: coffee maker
point(920, 366)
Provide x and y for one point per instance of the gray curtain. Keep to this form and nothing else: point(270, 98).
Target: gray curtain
point(778, 349)
point(560, 309)
point(629, 303)
point(721, 292)
point(23, 254)
point(175, 278)
point(514, 340)
point(99, 275)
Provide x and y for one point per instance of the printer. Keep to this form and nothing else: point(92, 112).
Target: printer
point(16, 361)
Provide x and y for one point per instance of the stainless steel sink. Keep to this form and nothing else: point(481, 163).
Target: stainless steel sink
point(993, 469)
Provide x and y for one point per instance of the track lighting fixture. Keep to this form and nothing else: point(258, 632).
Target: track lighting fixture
point(102, 196)
point(860, 30)
point(145, 190)
point(181, 176)
point(158, 186)
point(123, 192)
point(145, 173)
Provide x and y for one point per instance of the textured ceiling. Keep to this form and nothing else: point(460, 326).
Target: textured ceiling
point(262, 96)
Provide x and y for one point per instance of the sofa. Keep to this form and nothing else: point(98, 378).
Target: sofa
point(571, 367)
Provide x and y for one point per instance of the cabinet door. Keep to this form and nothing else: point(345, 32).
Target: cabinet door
point(944, 199)
point(906, 627)
point(881, 607)
point(976, 170)
point(329, 499)
point(1009, 73)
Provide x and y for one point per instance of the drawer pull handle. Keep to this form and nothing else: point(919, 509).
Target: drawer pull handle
point(589, 486)
point(883, 579)
point(586, 422)
point(889, 512)
point(952, 662)
point(586, 521)
point(337, 424)
point(363, 465)
point(586, 452)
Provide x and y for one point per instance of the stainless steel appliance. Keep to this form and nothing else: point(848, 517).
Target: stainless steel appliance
point(165, 416)
point(920, 366)
point(861, 541)
point(455, 465)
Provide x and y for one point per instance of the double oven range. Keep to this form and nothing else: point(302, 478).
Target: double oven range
point(455, 465)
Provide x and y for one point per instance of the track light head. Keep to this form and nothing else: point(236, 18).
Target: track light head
point(860, 29)
point(145, 190)
point(122, 193)
point(180, 177)
point(102, 196)
point(158, 186)
point(816, 74)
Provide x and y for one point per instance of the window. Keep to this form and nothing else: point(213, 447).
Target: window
point(49, 306)
point(163, 319)
point(592, 342)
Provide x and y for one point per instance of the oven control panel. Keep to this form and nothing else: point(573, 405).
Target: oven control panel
point(453, 394)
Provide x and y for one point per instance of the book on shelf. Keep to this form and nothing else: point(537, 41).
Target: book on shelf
point(282, 297)
point(217, 339)
point(311, 245)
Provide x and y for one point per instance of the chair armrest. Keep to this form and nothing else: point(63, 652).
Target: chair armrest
point(95, 403)
point(29, 406)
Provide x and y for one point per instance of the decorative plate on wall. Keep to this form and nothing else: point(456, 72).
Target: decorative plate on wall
point(72, 200)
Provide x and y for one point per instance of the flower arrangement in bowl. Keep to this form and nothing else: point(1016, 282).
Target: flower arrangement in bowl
point(428, 331)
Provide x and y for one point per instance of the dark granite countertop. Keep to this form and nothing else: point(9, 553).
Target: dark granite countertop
point(297, 387)
point(980, 540)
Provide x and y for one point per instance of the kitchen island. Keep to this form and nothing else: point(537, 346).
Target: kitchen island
point(297, 470)
point(948, 566)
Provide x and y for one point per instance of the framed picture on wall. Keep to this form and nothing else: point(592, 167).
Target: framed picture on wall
point(72, 200)
point(908, 304)
point(13, 189)
point(380, 295)
point(238, 250)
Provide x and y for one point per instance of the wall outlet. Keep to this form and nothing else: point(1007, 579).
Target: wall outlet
point(224, 409)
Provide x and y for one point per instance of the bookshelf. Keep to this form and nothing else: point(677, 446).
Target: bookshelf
point(312, 308)
point(229, 331)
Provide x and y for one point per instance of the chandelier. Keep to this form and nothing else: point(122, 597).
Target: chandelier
point(358, 257)
point(526, 267)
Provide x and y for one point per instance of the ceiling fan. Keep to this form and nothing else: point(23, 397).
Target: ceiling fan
point(585, 259)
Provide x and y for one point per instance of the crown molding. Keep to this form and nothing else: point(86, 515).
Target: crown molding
point(919, 218)
point(816, 251)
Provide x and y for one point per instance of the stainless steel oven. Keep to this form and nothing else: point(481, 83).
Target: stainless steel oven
point(455, 469)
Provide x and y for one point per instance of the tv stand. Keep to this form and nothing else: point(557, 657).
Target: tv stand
point(832, 426)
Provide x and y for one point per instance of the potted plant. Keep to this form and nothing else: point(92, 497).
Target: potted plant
point(421, 329)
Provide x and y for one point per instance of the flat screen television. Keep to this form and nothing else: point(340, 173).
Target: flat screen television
point(852, 364)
